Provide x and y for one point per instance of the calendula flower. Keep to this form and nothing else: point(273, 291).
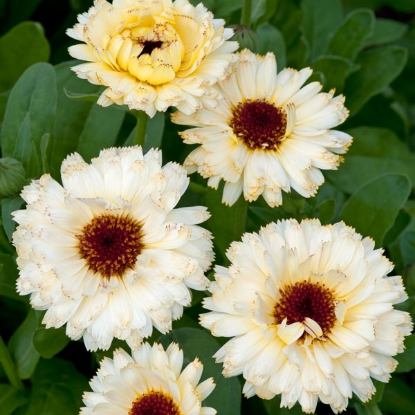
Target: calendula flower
point(267, 134)
point(152, 54)
point(148, 382)
point(310, 310)
point(107, 253)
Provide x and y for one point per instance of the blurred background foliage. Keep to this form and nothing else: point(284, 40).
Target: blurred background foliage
point(364, 49)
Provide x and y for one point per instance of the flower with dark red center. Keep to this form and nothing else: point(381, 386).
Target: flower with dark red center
point(110, 244)
point(150, 382)
point(154, 403)
point(268, 134)
point(303, 301)
point(310, 312)
point(259, 124)
point(107, 253)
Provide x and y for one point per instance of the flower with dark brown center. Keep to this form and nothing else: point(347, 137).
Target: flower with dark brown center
point(110, 244)
point(304, 299)
point(154, 403)
point(259, 124)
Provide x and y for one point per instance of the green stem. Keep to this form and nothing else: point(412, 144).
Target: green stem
point(9, 367)
point(140, 132)
point(239, 218)
point(246, 13)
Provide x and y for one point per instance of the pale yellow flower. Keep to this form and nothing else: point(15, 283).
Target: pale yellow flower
point(268, 134)
point(148, 382)
point(107, 253)
point(152, 54)
point(310, 310)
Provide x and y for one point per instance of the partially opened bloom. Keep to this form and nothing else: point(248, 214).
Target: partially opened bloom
point(310, 310)
point(107, 252)
point(148, 382)
point(152, 54)
point(267, 134)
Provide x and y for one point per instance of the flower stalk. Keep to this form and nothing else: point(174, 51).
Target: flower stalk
point(246, 13)
point(9, 367)
point(140, 132)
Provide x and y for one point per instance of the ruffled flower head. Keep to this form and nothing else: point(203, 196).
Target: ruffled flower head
point(310, 312)
point(152, 54)
point(107, 253)
point(268, 134)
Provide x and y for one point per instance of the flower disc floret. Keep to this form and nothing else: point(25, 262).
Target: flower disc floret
point(108, 253)
point(152, 54)
point(148, 382)
point(310, 312)
point(268, 134)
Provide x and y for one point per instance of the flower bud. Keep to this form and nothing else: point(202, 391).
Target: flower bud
point(245, 37)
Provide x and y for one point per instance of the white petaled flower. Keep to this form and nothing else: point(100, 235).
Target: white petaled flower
point(148, 382)
point(152, 54)
point(267, 134)
point(107, 253)
point(310, 310)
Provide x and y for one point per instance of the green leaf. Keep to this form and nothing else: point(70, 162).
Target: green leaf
point(298, 53)
point(398, 398)
point(81, 126)
point(224, 8)
point(326, 210)
point(226, 397)
point(21, 347)
point(335, 69)
point(10, 399)
point(349, 38)
point(12, 176)
point(8, 277)
point(270, 39)
point(154, 132)
point(374, 151)
point(21, 47)
point(378, 68)
point(320, 19)
point(8, 206)
point(259, 8)
point(383, 111)
point(49, 342)
point(385, 31)
point(406, 359)
point(226, 223)
point(57, 389)
point(100, 130)
point(30, 112)
point(373, 208)
point(82, 97)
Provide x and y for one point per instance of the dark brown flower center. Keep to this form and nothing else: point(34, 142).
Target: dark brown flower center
point(259, 124)
point(304, 299)
point(149, 46)
point(110, 244)
point(154, 403)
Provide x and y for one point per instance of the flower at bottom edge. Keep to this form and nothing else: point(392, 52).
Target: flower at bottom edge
point(310, 312)
point(149, 381)
point(107, 253)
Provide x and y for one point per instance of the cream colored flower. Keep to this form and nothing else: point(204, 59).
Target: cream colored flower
point(107, 253)
point(267, 134)
point(310, 310)
point(148, 382)
point(152, 54)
